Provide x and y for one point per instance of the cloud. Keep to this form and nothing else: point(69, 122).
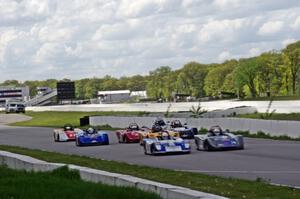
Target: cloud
point(42, 39)
point(270, 27)
point(224, 55)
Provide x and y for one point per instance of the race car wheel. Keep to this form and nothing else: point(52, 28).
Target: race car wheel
point(207, 146)
point(57, 138)
point(54, 136)
point(197, 144)
point(126, 139)
point(78, 142)
point(145, 151)
point(152, 150)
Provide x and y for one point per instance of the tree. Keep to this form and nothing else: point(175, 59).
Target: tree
point(156, 86)
point(292, 62)
point(215, 78)
point(246, 73)
point(192, 78)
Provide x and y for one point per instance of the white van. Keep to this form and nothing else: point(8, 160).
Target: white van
point(15, 107)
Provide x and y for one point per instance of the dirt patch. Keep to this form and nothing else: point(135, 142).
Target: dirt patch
point(13, 118)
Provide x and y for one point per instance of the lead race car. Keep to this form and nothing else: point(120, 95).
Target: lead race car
point(166, 144)
point(185, 132)
point(217, 139)
point(91, 136)
point(67, 133)
point(130, 134)
point(155, 132)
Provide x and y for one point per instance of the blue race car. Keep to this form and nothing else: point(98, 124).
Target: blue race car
point(217, 139)
point(91, 137)
point(166, 145)
point(184, 131)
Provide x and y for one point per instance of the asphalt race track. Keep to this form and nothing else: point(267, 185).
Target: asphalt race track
point(277, 161)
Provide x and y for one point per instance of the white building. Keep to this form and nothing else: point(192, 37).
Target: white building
point(139, 94)
point(113, 96)
point(8, 93)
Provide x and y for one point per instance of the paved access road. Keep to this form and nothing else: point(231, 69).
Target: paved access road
point(278, 161)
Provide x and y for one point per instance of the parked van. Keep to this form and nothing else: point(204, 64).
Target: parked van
point(15, 107)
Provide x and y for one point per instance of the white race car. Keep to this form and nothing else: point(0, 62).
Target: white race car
point(67, 133)
point(166, 145)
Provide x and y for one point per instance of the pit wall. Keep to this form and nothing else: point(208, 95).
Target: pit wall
point(273, 127)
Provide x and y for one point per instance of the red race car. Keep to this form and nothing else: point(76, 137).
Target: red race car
point(130, 134)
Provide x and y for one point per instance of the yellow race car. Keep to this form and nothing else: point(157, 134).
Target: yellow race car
point(156, 132)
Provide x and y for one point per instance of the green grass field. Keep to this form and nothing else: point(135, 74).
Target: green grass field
point(60, 183)
point(232, 188)
point(59, 119)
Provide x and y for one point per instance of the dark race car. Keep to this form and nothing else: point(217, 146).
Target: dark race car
point(131, 134)
point(217, 139)
point(184, 131)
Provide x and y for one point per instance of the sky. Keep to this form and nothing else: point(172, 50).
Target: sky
point(42, 39)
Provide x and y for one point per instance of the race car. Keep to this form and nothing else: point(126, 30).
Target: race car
point(184, 131)
point(156, 132)
point(91, 137)
point(130, 134)
point(160, 122)
point(67, 133)
point(166, 144)
point(217, 139)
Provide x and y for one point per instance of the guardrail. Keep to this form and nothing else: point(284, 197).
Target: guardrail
point(166, 191)
point(273, 127)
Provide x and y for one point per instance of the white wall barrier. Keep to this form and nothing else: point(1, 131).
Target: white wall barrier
point(166, 191)
point(273, 127)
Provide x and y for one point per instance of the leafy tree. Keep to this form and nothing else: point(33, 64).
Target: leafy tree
point(292, 62)
point(157, 82)
point(246, 73)
point(192, 77)
point(216, 77)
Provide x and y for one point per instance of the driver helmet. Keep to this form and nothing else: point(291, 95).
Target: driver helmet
point(164, 136)
point(217, 131)
point(156, 128)
point(90, 130)
point(68, 128)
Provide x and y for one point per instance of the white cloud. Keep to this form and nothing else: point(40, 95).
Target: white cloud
point(224, 55)
point(270, 27)
point(254, 52)
point(73, 38)
point(296, 24)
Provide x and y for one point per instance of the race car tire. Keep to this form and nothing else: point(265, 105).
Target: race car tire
point(145, 151)
point(207, 146)
point(152, 150)
point(125, 139)
point(55, 140)
point(78, 142)
point(197, 145)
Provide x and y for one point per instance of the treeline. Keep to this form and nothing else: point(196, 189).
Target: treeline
point(274, 73)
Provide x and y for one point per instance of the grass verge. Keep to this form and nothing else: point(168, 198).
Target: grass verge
point(60, 183)
point(232, 188)
point(59, 119)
